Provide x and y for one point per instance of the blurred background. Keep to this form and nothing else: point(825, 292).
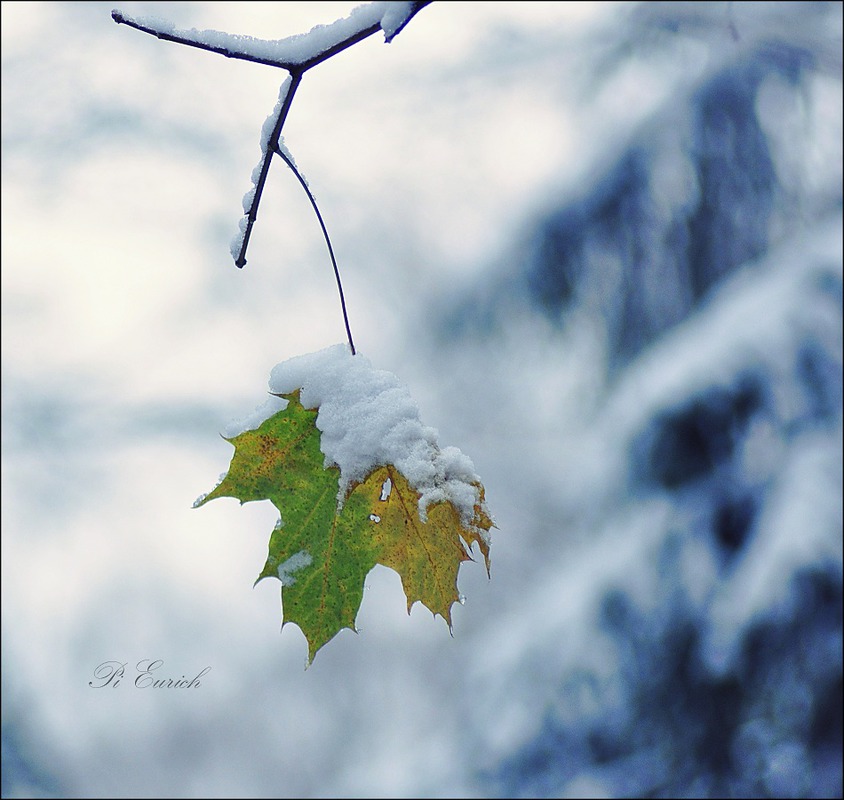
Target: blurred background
point(602, 245)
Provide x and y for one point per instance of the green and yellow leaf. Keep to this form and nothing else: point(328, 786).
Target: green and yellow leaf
point(324, 546)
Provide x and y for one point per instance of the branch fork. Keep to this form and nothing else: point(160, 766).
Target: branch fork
point(296, 55)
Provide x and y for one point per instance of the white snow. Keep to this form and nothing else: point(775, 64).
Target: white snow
point(249, 198)
point(250, 422)
point(270, 121)
point(367, 419)
point(199, 500)
point(292, 50)
point(395, 16)
point(237, 239)
point(293, 564)
point(792, 535)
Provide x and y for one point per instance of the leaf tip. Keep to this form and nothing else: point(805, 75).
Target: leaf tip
point(200, 501)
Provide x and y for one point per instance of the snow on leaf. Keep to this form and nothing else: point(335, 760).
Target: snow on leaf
point(426, 554)
point(324, 550)
point(281, 462)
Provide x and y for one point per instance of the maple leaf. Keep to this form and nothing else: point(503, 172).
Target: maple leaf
point(327, 541)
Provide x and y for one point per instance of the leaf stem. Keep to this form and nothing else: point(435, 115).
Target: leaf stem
point(287, 160)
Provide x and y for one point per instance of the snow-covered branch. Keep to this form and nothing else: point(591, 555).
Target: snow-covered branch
point(293, 53)
point(296, 54)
